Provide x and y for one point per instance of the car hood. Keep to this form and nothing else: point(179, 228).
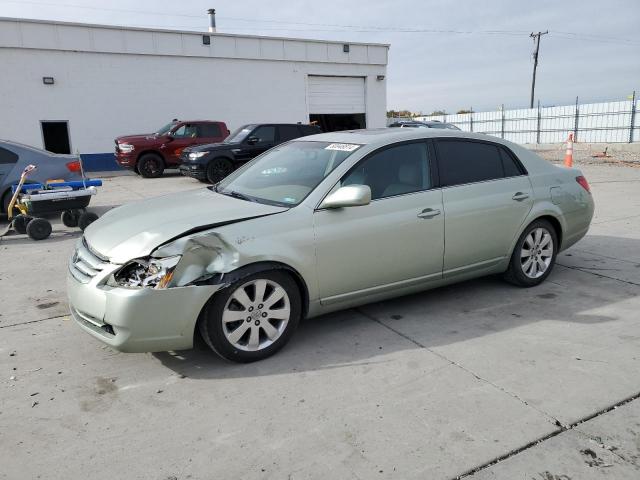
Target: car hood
point(210, 147)
point(138, 139)
point(136, 229)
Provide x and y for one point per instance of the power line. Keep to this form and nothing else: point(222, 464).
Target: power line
point(283, 25)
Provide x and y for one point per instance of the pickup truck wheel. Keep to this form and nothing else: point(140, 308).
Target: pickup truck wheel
point(150, 165)
point(217, 169)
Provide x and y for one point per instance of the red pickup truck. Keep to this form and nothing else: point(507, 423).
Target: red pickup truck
point(149, 154)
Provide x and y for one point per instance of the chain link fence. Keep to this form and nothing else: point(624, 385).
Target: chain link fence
point(609, 122)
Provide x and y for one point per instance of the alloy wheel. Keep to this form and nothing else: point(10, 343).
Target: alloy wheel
point(256, 315)
point(536, 253)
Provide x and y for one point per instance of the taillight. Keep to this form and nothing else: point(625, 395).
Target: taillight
point(583, 183)
point(74, 166)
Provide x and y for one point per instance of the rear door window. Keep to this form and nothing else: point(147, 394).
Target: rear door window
point(461, 162)
point(209, 130)
point(288, 132)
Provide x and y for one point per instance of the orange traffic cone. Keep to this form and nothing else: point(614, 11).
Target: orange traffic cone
point(568, 156)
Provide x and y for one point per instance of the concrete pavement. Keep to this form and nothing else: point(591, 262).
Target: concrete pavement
point(433, 385)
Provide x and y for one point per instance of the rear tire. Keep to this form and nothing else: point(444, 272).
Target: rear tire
point(6, 199)
point(86, 219)
point(534, 255)
point(20, 223)
point(150, 165)
point(257, 325)
point(217, 169)
point(69, 218)
point(38, 229)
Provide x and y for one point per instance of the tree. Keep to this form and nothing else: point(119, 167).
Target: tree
point(464, 110)
point(437, 112)
point(399, 113)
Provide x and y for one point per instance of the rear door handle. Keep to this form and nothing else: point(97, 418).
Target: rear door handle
point(519, 196)
point(429, 213)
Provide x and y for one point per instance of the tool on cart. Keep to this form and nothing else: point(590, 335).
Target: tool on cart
point(36, 199)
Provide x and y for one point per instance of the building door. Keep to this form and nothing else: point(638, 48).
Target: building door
point(55, 136)
point(337, 103)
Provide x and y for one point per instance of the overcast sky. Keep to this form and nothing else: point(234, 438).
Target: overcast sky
point(592, 50)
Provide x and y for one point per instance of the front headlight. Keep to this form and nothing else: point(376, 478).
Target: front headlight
point(196, 155)
point(126, 148)
point(146, 273)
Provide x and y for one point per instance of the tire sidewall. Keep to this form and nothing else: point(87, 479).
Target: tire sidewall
point(515, 265)
point(210, 322)
point(217, 161)
point(147, 157)
point(39, 229)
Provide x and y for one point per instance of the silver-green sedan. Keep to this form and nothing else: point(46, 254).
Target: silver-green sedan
point(319, 224)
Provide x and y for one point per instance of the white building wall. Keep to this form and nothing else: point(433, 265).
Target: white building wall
point(112, 81)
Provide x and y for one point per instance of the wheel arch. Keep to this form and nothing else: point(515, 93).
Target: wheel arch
point(155, 152)
point(555, 223)
point(262, 266)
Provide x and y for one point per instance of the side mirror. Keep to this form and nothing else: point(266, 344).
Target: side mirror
point(170, 137)
point(253, 140)
point(348, 196)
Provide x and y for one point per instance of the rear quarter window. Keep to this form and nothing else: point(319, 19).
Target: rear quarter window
point(7, 157)
point(511, 167)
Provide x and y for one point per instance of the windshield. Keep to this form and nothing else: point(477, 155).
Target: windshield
point(285, 175)
point(239, 134)
point(166, 129)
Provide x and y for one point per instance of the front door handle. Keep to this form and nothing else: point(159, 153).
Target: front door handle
point(519, 196)
point(429, 213)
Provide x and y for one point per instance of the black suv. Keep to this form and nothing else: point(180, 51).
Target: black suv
point(211, 163)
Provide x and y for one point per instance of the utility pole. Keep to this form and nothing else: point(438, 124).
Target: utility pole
point(536, 39)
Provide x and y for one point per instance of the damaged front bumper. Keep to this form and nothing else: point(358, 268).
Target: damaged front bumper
point(132, 319)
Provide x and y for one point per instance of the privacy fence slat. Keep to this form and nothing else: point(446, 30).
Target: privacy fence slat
point(607, 122)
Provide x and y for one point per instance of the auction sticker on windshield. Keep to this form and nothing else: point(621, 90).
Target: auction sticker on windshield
point(342, 147)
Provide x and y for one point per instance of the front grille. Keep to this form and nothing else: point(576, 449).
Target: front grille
point(86, 264)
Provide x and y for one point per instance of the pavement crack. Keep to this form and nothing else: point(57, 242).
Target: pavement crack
point(553, 420)
point(33, 321)
point(546, 437)
point(587, 270)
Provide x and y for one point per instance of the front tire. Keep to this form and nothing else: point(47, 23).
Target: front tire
point(534, 256)
point(217, 169)
point(253, 318)
point(150, 165)
point(39, 229)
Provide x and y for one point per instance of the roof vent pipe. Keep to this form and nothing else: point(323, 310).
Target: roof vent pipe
point(212, 20)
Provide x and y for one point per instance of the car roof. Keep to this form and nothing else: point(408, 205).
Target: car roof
point(383, 136)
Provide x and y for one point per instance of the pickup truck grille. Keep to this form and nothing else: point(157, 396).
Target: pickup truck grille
point(85, 264)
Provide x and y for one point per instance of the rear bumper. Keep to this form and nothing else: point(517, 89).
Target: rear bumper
point(136, 320)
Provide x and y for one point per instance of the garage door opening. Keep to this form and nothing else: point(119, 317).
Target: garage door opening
point(55, 136)
point(335, 122)
point(337, 103)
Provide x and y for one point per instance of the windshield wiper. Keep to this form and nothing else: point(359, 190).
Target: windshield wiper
point(239, 195)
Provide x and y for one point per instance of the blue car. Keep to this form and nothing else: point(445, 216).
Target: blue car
point(50, 166)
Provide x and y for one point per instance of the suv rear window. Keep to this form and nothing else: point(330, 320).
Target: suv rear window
point(462, 162)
